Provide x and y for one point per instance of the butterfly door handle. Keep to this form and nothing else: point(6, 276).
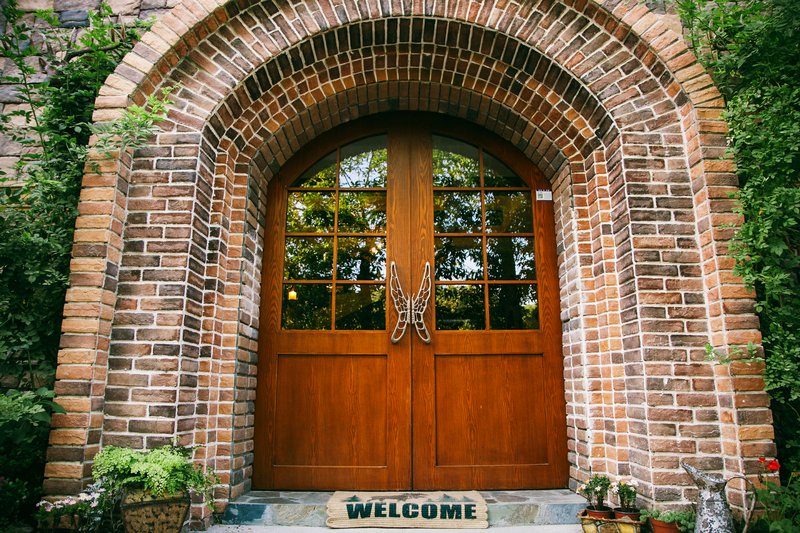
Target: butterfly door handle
point(410, 309)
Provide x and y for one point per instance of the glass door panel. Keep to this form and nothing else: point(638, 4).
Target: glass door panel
point(335, 245)
point(485, 264)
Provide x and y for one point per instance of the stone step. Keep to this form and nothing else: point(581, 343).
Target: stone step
point(307, 509)
point(571, 528)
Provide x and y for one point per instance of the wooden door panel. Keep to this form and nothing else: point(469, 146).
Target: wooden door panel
point(330, 410)
point(336, 408)
point(490, 410)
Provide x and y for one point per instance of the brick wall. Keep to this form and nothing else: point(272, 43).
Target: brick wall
point(161, 323)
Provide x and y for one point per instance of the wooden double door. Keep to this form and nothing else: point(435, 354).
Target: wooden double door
point(409, 333)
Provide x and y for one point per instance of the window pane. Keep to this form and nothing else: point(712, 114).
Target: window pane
point(511, 258)
point(509, 212)
point(456, 212)
point(322, 174)
point(310, 212)
point(458, 258)
point(310, 308)
point(361, 258)
point(364, 163)
point(455, 164)
point(459, 307)
point(362, 212)
point(308, 258)
point(496, 174)
point(513, 307)
point(361, 307)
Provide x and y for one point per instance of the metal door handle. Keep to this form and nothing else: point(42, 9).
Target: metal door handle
point(410, 309)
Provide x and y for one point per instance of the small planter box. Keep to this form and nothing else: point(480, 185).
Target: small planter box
point(609, 525)
point(142, 512)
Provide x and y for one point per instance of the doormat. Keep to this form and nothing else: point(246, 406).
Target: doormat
point(446, 509)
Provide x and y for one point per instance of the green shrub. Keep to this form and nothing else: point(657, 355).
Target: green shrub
point(24, 427)
point(752, 49)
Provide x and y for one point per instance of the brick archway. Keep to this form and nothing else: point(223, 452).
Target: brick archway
point(161, 320)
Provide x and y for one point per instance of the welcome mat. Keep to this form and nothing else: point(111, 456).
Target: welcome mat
point(447, 509)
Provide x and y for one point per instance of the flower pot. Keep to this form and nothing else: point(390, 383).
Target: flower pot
point(663, 527)
point(603, 512)
point(141, 511)
point(633, 514)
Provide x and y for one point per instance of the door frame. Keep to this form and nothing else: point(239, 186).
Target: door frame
point(545, 252)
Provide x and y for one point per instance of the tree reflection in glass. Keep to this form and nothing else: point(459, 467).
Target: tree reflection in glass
point(361, 258)
point(310, 212)
point(459, 307)
point(362, 212)
point(496, 174)
point(509, 212)
point(510, 258)
point(456, 212)
point(308, 258)
point(360, 255)
point(458, 258)
point(364, 163)
point(321, 175)
point(310, 310)
point(513, 307)
point(455, 164)
point(360, 306)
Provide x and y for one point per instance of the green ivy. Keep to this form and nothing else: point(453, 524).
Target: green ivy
point(57, 77)
point(752, 49)
point(37, 219)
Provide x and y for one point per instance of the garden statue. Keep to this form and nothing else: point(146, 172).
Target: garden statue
point(713, 513)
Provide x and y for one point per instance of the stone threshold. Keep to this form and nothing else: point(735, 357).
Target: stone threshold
point(307, 509)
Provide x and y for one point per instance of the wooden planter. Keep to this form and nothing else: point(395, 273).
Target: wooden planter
point(608, 525)
point(143, 512)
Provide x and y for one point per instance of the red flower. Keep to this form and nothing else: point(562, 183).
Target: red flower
point(773, 465)
point(762, 459)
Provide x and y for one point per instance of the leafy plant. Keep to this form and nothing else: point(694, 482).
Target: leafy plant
point(596, 491)
point(752, 50)
point(626, 491)
point(57, 74)
point(163, 471)
point(57, 77)
point(24, 427)
point(685, 520)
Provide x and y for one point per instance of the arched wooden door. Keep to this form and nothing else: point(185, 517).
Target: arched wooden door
point(342, 406)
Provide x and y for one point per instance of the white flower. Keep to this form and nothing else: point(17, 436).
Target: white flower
point(46, 505)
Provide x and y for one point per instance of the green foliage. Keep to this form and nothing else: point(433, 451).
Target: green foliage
point(57, 74)
point(162, 471)
point(752, 49)
point(781, 506)
point(684, 519)
point(53, 127)
point(24, 427)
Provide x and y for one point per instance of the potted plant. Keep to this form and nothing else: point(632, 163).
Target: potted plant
point(596, 491)
point(626, 492)
point(154, 485)
point(670, 521)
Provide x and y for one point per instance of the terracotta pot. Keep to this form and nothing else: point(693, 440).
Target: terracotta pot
point(663, 527)
point(633, 514)
point(603, 512)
